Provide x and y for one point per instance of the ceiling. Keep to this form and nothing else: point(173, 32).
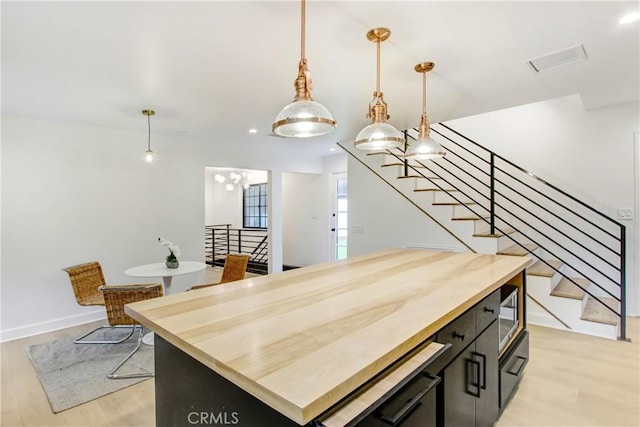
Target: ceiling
point(215, 69)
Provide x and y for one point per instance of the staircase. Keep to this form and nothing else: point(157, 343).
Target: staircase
point(576, 279)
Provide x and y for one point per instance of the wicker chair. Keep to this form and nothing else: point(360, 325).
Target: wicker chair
point(86, 280)
point(235, 268)
point(115, 297)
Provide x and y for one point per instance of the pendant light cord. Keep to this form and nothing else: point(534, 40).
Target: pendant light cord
point(424, 93)
point(378, 67)
point(149, 134)
point(302, 30)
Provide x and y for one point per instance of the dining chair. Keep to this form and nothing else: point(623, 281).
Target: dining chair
point(86, 280)
point(115, 297)
point(235, 268)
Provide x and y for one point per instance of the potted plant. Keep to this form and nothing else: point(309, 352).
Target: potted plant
point(174, 252)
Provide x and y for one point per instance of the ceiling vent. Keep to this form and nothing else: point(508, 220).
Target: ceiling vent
point(558, 58)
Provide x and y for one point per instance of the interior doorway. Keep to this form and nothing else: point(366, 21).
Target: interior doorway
point(236, 218)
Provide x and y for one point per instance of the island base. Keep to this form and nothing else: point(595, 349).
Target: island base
point(190, 394)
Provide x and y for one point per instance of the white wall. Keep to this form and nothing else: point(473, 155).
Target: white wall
point(586, 153)
point(73, 193)
point(386, 218)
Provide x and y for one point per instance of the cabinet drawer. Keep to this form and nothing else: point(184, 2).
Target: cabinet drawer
point(487, 311)
point(404, 394)
point(459, 333)
point(512, 367)
point(412, 406)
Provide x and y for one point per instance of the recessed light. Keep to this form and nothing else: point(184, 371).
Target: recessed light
point(627, 19)
point(332, 149)
point(253, 130)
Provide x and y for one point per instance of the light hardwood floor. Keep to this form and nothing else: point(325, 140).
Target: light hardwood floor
point(571, 380)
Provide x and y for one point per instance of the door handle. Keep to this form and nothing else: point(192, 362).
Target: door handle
point(483, 380)
point(472, 365)
point(333, 229)
point(397, 418)
point(523, 361)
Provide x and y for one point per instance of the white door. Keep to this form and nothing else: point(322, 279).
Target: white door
point(340, 227)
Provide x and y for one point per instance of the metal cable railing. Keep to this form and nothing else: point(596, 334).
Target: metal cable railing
point(508, 197)
point(221, 240)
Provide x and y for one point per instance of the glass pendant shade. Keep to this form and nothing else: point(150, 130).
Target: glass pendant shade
point(424, 149)
point(303, 119)
point(379, 136)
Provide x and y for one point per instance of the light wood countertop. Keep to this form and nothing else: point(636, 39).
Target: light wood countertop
point(303, 339)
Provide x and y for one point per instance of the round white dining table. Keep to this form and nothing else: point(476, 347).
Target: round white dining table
point(160, 270)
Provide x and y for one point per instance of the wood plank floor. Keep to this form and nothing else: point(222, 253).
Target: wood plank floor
point(571, 380)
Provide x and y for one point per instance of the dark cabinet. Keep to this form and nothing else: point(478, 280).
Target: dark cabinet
point(413, 406)
point(471, 383)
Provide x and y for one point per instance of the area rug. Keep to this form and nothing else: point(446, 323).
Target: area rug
point(72, 374)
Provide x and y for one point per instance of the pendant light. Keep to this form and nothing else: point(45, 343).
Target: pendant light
point(379, 134)
point(425, 147)
point(149, 156)
point(303, 117)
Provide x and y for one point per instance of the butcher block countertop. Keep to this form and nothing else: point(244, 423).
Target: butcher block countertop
point(303, 339)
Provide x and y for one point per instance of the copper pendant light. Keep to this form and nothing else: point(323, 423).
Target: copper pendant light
point(425, 147)
point(303, 117)
point(149, 155)
point(379, 135)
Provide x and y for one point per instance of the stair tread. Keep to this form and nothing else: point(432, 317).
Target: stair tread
point(542, 269)
point(517, 250)
point(593, 311)
point(410, 176)
point(566, 289)
point(469, 218)
point(504, 232)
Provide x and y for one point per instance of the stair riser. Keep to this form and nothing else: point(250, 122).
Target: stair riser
point(544, 284)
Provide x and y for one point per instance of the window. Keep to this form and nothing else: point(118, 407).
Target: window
point(254, 208)
point(340, 214)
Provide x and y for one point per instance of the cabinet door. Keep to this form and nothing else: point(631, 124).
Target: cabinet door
point(486, 352)
point(461, 387)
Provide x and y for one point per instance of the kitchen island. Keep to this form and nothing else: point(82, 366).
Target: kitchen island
point(306, 346)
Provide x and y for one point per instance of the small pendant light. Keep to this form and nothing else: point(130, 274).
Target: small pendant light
point(149, 156)
point(379, 134)
point(303, 117)
point(425, 147)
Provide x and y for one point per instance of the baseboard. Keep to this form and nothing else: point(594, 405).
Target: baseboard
point(542, 319)
point(51, 325)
